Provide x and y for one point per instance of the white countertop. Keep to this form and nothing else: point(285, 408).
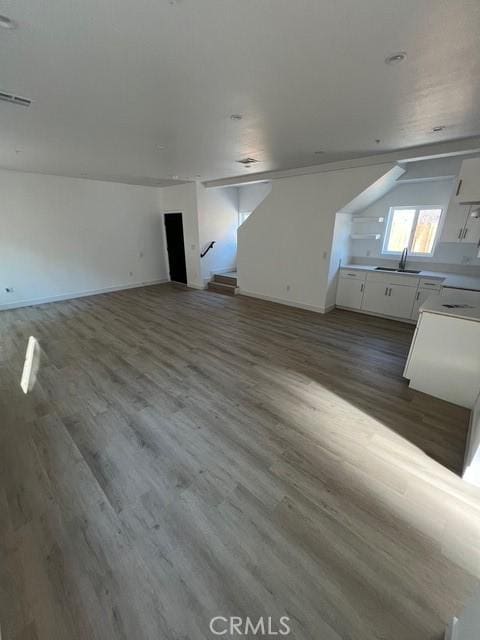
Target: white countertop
point(452, 280)
point(436, 304)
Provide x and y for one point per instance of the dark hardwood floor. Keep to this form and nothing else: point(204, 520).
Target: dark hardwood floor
point(184, 455)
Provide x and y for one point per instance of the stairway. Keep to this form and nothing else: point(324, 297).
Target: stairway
point(225, 283)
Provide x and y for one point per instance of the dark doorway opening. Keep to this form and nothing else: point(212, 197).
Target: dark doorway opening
point(175, 247)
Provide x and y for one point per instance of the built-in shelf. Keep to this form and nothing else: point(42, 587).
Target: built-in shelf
point(365, 236)
point(369, 219)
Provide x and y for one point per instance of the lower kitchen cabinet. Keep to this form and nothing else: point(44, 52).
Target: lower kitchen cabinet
point(389, 299)
point(422, 296)
point(350, 292)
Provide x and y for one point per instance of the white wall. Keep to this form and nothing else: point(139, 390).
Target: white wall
point(340, 254)
point(218, 220)
point(183, 199)
point(251, 195)
point(284, 246)
point(432, 192)
point(64, 237)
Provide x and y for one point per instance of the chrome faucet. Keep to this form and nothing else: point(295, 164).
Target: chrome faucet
point(403, 260)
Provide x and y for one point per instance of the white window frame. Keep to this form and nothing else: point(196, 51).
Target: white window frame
point(412, 232)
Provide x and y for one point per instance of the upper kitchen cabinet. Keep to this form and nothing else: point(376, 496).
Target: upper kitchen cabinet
point(468, 185)
point(455, 222)
point(462, 221)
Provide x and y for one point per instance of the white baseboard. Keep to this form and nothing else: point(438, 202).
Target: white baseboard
point(287, 303)
point(194, 285)
point(79, 294)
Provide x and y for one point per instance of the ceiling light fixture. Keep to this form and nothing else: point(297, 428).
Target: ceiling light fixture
point(7, 23)
point(396, 58)
point(236, 116)
point(247, 161)
point(437, 129)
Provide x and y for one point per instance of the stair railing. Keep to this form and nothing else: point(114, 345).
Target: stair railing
point(210, 246)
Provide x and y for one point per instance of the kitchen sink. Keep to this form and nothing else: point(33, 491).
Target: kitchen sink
point(396, 270)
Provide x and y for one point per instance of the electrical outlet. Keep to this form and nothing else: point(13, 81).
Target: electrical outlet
point(368, 253)
point(287, 287)
point(130, 273)
point(466, 259)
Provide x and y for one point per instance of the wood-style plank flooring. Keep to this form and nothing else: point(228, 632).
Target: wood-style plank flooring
point(185, 455)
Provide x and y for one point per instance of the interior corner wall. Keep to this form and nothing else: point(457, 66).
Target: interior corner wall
point(67, 237)
point(251, 195)
point(284, 247)
point(182, 198)
point(218, 221)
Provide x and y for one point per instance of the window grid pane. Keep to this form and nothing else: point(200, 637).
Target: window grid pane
point(426, 230)
point(400, 229)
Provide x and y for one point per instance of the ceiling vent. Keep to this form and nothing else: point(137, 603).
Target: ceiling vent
point(9, 97)
point(247, 161)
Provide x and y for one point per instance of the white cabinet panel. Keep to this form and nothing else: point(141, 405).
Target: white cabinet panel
point(400, 301)
point(468, 186)
point(350, 293)
point(422, 296)
point(455, 222)
point(444, 359)
point(375, 297)
point(394, 300)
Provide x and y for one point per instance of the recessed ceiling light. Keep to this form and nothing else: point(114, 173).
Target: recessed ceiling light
point(160, 147)
point(174, 177)
point(439, 128)
point(236, 116)
point(395, 58)
point(7, 23)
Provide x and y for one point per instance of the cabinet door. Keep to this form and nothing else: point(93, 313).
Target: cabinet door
point(472, 229)
point(350, 293)
point(400, 301)
point(375, 297)
point(455, 221)
point(421, 296)
point(468, 186)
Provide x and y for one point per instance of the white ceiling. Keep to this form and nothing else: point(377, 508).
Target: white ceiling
point(111, 80)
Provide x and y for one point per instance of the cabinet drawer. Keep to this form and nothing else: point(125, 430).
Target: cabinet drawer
point(353, 274)
point(392, 278)
point(428, 283)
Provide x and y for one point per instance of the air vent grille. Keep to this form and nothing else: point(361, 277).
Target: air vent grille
point(247, 161)
point(10, 97)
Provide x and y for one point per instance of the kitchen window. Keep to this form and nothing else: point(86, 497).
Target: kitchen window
point(414, 228)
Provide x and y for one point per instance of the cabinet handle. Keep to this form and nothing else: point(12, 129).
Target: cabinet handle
point(465, 233)
point(460, 233)
point(361, 286)
point(459, 187)
point(386, 291)
point(390, 292)
point(418, 295)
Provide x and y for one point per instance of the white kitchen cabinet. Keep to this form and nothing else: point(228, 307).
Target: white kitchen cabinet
point(388, 299)
point(350, 292)
point(455, 222)
point(422, 296)
point(468, 185)
point(444, 357)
